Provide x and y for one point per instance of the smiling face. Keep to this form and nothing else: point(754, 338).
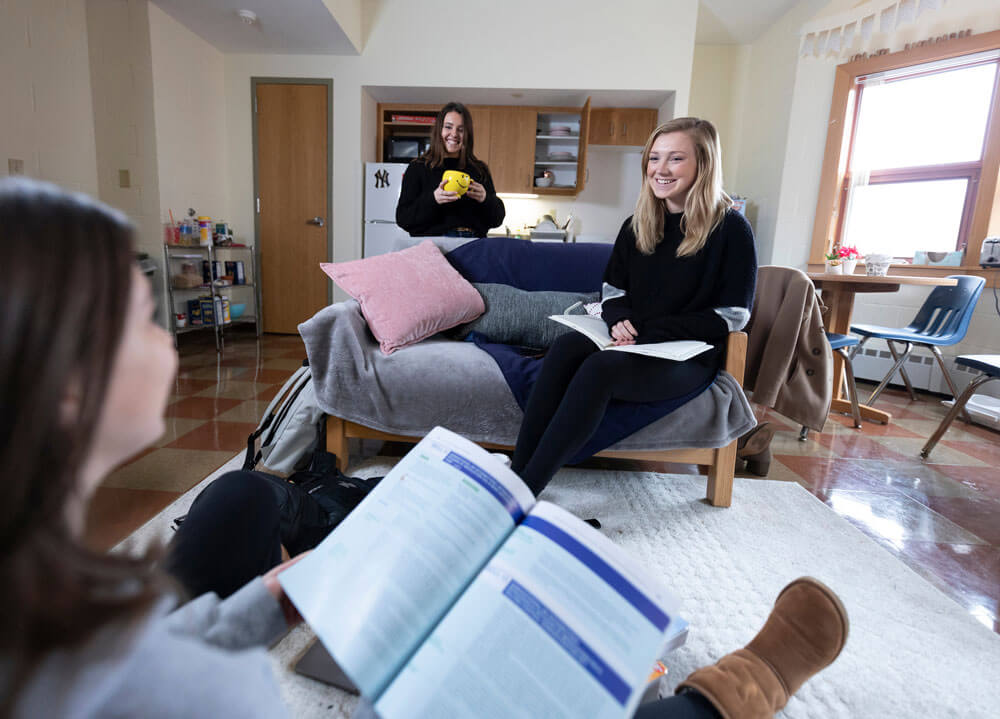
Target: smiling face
point(453, 134)
point(672, 169)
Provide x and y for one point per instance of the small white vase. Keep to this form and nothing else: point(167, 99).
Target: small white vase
point(837, 269)
point(848, 266)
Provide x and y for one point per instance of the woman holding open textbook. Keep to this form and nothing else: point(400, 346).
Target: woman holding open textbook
point(683, 268)
point(85, 375)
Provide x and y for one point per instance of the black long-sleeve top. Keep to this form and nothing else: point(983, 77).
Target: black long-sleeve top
point(419, 213)
point(701, 297)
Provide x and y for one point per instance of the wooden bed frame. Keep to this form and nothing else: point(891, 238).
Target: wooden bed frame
point(719, 463)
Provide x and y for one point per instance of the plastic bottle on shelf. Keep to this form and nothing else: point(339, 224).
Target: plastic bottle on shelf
point(205, 230)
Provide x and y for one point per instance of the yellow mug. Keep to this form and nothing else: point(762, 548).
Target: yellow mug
point(456, 181)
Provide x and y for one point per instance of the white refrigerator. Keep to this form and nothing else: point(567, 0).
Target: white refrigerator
point(381, 233)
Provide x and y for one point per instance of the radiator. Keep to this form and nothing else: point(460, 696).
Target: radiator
point(873, 362)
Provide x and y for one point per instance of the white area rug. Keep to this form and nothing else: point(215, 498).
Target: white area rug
point(912, 652)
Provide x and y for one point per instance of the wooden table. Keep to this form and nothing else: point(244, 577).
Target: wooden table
point(838, 296)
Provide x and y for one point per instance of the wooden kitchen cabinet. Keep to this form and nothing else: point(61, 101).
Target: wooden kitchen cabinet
point(512, 148)
point(621, 125)
point(482, 119)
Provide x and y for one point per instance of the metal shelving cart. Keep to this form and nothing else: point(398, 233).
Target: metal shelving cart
point(211, 253)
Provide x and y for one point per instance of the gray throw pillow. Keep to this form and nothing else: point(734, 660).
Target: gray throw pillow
point(518, 317)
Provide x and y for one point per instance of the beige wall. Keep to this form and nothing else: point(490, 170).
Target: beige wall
point(190, 108)
point(646, 44)
point(717, 74)
point(46, 111)
point(121, 78)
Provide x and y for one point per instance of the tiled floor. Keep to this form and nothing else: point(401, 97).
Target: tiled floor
point(941, 517)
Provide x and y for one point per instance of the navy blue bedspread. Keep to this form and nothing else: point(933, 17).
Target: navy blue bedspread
point(621, 419)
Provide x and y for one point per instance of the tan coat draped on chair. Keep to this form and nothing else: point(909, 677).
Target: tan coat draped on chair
point(789, 361)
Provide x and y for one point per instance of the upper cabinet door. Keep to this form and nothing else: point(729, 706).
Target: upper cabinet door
point(621, 125)
point(581, 168)
point(481, 123)
point(601, 127)
point(512, 148)
point(635, 125)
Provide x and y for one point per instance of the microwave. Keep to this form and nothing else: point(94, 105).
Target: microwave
point(400, 148)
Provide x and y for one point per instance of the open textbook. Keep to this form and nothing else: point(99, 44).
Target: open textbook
point(450, 592)
point(596, 329)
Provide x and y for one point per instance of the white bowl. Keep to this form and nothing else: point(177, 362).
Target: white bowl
point(543, 182)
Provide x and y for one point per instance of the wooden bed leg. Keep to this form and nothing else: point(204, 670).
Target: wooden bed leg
point(336, 441)
point(720, 476)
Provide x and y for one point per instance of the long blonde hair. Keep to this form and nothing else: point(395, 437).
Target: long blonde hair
point(706, 203)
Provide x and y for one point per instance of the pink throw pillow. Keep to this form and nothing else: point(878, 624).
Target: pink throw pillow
point(409, 295)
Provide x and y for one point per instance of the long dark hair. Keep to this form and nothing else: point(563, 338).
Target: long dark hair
point(435, 154)
point(65, 274)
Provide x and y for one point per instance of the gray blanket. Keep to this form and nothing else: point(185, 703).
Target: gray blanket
point(458, 386)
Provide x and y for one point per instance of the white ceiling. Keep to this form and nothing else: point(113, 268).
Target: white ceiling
point(283, 26)
point(737, 22)
point(307, 26)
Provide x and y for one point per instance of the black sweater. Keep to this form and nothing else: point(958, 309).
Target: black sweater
point(419, 213)
point(674, 298)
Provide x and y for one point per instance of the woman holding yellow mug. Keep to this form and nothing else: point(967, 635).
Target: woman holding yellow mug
point(448, 190)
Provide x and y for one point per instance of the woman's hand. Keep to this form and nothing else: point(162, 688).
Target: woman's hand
point(442, 196)
point(476, 191)
point(292, 615)
point(623, 333)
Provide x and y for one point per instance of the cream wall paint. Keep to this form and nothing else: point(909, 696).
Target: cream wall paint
point(763, 101)
point(46, 112)
point(813, 88)
point(121, 76)
point(349, 15)
point(190, 109)
point(494, 45)
point(715, 73)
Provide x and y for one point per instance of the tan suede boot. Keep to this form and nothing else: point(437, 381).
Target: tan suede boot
point(805, 632)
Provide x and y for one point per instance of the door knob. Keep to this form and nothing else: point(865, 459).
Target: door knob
point(318, 221)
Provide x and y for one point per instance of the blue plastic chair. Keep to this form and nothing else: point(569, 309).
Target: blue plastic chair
point(989, 365)
point(839, 344)
point(941, 322)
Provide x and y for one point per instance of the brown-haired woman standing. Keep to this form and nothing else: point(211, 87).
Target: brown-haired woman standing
point(425, 208)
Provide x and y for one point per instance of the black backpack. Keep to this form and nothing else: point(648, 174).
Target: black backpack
point(313, 501)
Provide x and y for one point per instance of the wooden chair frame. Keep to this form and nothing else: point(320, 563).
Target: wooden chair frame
point(719, 463)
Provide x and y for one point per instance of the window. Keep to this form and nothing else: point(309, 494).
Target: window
point(913, 165)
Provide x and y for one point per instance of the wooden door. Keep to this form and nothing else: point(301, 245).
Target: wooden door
point(581, 156)
point(635, 125)
point(601, 126)
point(481, 126)
point(512, 148)
point(293, 211)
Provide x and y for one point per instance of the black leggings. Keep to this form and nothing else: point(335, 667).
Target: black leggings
point(574, 387)
point(232, 534)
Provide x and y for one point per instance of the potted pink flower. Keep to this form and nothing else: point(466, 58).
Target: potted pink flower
point(849, 257)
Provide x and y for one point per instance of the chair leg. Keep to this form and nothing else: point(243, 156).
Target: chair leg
point(803, 433)
point(857, 348)
point(902, 369)
point(336, 441)
point(885, 380)
point(719, 491)
point(959, 406)
point(852, 388)
point(947, 378)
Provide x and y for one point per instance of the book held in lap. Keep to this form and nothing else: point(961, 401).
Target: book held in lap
point(597, 331)
point(451, 591)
